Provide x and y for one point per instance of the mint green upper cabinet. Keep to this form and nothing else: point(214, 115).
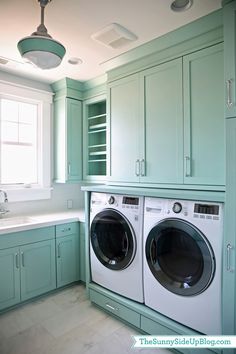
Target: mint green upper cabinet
point(9, 277)
point(204, 132)
point(68, 140)
point(125, 140)
point(37, 268)
point(229, 17)
point(162, 87)
point(67, 252)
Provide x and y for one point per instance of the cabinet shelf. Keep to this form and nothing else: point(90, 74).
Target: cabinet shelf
point(96, 140)
point(97, 146)
point(97, 116)
point(95, 153)
point(98, 126)
point(96, 131)
point(99, 160)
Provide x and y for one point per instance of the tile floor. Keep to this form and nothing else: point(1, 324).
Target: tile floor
point(65, 323)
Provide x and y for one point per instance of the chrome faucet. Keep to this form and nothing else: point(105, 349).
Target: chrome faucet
point(3, 209)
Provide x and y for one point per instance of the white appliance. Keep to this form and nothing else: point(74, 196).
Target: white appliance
point(116, 224)
point(183, 261)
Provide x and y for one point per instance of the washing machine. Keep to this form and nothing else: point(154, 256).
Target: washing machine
point(116, 225)
point(183, 261)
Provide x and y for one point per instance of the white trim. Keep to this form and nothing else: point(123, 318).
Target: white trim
point(20, 91)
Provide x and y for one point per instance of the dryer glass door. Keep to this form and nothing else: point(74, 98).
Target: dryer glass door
point(112, 239)
point(180, 257)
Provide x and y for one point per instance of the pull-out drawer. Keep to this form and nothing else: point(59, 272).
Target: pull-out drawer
point(115, 308)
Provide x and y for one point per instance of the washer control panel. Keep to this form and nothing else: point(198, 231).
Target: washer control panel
point(183, 208)
point(177, 207)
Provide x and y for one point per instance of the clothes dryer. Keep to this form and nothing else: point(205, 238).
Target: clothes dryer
point(183, 261)
point(116, 224)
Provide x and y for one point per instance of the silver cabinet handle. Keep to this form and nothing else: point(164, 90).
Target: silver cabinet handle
point(22, 259)
point(66, 229)
point(143, 168)
point(112, 307)
point(229, 249)
point(69, 168)
point(59, 250)
point(229, 92)
point(187, 166)
point(137, 168)
point(17, 260)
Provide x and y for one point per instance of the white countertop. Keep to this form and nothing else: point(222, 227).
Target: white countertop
point(9, 224)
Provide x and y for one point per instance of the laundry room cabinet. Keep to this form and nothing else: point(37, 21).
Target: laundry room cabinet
point(229, 17)
point(68, 140)
point(167, 125)
point(204, 126)
point(67, 253)
point(126, 127)
point(27, 265)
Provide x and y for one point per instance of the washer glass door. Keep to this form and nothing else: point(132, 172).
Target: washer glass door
point(180, 257)
point(112, 239)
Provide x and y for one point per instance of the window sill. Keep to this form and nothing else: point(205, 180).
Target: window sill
point(27, 194)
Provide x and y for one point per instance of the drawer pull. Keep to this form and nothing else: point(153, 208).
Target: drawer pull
point(111, 307)
point(66, 229)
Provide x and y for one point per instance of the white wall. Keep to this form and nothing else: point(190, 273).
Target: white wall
point(60, 194)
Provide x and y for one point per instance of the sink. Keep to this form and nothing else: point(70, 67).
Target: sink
point(15, 221)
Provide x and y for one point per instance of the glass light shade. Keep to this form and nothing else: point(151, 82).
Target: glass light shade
point(44, 52)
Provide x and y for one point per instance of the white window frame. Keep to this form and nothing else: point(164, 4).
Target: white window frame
point(43, 99)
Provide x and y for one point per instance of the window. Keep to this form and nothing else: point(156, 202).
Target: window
point(19, 142)
point(25, 141)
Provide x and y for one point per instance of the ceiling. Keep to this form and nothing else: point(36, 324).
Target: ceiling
point(72, 22)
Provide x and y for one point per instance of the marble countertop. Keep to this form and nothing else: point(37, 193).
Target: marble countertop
point(9, 224)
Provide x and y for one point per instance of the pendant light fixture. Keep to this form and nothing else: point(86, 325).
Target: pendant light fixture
point(40, 48)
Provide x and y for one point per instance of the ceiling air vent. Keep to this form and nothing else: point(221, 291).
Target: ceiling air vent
point(114, 36)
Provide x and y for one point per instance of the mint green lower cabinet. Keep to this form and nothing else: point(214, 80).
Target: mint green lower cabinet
point(37, 268)
point(9, 277)
point(67, 253)
point(115, 308)
point(27, 265)
point(82, 260)
point(154, 328)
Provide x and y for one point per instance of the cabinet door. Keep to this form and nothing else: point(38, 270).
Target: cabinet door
point(82, 253)
point(74, 140)
point(67, 259)
point(229, 254)
point(204, 134)
point(229, 18)
point(125, 142)
point(38, 273)
point(163, 123)
point(9, 277)
point(68, 140)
